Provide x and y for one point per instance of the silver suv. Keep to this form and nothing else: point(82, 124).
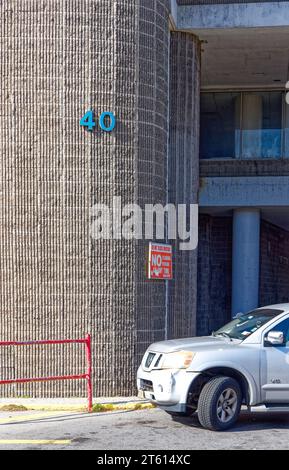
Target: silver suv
point(245, 362)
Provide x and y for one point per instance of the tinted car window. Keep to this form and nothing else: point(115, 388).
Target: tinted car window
point(246, 324)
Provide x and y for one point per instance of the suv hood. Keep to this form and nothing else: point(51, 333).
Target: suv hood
point(193, 344)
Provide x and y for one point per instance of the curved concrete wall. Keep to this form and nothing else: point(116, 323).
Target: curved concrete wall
point(60, 59)
point(152, 139)
point(183, 181)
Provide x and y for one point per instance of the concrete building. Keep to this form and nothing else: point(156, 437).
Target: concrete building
point(198, 91)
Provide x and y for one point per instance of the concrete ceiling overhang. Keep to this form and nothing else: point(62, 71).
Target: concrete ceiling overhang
point(195, 16)
point(245, 44)
point(238, 58)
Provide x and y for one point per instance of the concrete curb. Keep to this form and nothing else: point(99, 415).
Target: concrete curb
point(97, 407)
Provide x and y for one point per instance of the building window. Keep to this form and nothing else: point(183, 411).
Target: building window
point(244, 125)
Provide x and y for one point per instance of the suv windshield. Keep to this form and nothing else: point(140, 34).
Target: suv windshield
point(246, 324)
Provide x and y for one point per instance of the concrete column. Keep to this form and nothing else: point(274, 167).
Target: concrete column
point(286, 131)
point(252, 115)
point(183, 172)
point(246, 260)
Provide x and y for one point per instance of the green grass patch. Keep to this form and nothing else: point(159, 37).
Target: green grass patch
point(13, 408)
point(100, 408)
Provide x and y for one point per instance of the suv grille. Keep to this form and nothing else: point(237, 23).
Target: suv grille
point(146, 385)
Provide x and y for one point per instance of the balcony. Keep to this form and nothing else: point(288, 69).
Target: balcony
point(244, 125)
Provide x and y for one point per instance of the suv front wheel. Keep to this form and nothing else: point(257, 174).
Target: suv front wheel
point(219, 403)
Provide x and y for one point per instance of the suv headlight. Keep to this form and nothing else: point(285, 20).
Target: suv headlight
point(177, 360)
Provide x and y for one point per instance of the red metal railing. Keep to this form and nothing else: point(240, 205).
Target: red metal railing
point(87, 376)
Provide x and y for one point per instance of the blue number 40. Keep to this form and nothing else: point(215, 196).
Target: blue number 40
point(88, 120)
point(107, 121)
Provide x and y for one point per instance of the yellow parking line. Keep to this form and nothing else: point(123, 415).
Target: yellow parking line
point(34, 441)
point(22, 418)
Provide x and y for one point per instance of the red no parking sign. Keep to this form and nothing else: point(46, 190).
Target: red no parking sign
point(160, 265)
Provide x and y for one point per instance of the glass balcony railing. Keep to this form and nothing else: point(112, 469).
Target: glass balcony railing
point(285, 150)
point(244, 125)
point(260, 143)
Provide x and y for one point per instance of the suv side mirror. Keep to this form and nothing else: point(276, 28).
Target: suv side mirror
point(275, 338)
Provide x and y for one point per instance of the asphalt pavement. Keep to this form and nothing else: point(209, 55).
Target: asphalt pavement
point(141, 430)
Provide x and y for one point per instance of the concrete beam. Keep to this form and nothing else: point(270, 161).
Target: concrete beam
point(197, 18)
point(267, 191)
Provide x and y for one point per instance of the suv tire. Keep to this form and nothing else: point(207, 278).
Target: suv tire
point(219, 403)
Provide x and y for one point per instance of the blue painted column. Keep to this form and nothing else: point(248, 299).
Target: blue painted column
point(246, 259)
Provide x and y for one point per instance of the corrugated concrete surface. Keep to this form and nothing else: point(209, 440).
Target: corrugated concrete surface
point(58, 60)
point(183, 177)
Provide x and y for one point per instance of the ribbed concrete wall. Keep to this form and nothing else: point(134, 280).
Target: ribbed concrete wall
point(153, 98)
point(59, 59)
point(262, 167)
point(274, 268)
point(183, 180)
point(214, 273)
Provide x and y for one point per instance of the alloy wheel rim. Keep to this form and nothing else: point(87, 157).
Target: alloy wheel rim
point(227, 405)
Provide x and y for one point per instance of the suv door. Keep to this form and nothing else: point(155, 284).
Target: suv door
point(275, 367)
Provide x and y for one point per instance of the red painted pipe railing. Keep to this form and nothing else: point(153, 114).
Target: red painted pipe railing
point(86, 376)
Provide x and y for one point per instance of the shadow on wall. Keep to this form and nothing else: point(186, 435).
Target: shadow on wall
point(274, 275)
point(214, 273)
point(215, 270)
